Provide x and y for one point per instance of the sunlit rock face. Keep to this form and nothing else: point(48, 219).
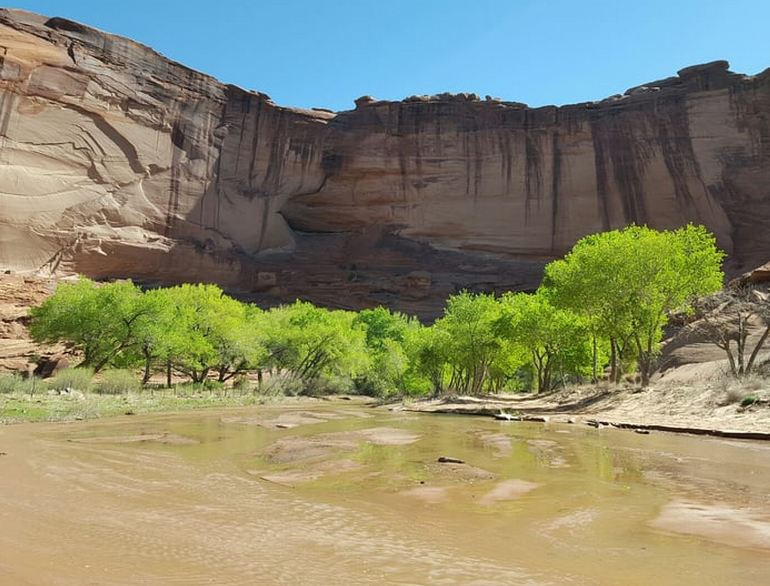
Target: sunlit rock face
point(116, 162)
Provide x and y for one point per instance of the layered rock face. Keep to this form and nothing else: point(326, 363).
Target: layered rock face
point(116, 162)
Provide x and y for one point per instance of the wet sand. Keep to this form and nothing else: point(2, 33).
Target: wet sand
point(356, 496)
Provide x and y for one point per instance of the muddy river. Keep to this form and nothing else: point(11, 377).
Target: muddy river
point(338, 493)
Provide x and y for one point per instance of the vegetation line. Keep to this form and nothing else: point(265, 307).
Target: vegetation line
point(604, 305)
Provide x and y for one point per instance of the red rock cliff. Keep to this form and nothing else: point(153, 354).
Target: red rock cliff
point(116, 162)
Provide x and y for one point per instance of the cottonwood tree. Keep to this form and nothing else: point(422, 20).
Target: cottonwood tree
point(211, 333)
point(315, 347)
point(428, 349)
point(555, 339)
point(626, 283)
point(473, 344)
point(385, 337)
point(101, 321)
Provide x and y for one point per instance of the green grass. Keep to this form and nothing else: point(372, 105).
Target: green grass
point(19, 407)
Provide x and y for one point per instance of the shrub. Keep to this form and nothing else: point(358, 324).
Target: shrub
point(71, 379)
point(213, 385)
point(734, 396)
point(283, 384)
point(241, 383)
point(330, 385)
point(754, 383)
point(748, 401)
point(15, 383)
point(118, 382)
point(9, 383)
point(243, 386)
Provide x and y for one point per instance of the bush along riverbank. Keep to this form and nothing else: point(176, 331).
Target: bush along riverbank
point(75, 394)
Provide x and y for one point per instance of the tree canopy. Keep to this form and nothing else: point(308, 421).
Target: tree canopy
point(626, 283)
point(607, 300)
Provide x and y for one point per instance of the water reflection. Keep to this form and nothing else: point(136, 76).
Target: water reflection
point(359, 496)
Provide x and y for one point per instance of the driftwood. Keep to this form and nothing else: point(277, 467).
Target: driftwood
point(450, 460)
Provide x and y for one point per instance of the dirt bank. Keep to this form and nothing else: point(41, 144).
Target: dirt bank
point(717, 407)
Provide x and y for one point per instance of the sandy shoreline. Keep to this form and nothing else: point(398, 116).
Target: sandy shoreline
point(678, 409)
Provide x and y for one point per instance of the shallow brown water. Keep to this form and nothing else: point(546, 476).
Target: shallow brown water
point(344, 494)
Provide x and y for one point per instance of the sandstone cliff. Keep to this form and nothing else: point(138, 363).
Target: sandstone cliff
point(116, 162)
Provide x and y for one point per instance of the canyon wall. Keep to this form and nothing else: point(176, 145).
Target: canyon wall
point(116, 162)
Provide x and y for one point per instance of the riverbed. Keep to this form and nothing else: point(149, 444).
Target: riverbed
point(342, 493)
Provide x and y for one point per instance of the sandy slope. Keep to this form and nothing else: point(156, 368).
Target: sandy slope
point(713, 404)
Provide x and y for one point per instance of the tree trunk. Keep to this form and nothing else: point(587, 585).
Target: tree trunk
point(595, 375)
point(613, 360)
point(147, 371)
point(756, 350)
point(546, 374)
point(644, 371)
point(730, 358)
point(147, 367)
point(199, 376)
point(645, 360)
point(101, 364)
point(168, 374)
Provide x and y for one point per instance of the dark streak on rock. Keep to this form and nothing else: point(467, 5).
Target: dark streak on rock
point(600, 166)
point(274, 171)
point(629, 157)
point(172, 207)
point(533, 176)
point(254, 146)
point(676, 146)
point(555, 184)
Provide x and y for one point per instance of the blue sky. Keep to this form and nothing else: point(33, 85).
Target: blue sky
point(327, 53)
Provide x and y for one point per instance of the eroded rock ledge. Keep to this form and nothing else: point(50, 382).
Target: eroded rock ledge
point(117, 162)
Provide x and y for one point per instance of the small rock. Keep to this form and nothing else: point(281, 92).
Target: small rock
point(129, 412)
point(449, 460)
point(642, 431)
point(282, 426)
point(3, 453)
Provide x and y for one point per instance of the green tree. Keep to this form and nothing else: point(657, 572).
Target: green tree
point(473, 343)
point(199, 330)
point(626, 283)
point(314, 347)
point(428, 349)
point(101, 321)
point(380, 325)
point(555, 339)
point(385, 338)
